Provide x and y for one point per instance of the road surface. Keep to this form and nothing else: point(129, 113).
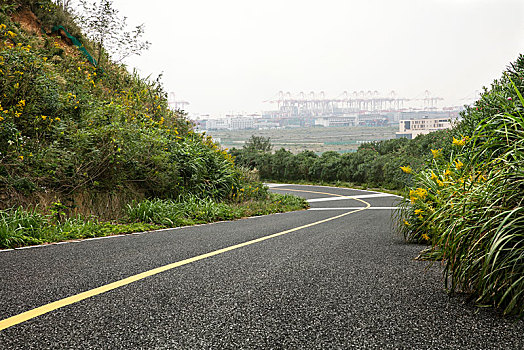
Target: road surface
point(332, 277)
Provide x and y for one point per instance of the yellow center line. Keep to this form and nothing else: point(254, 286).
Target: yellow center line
point(25, 316)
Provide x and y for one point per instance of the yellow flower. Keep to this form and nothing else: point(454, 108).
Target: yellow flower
point(425, 236)
point(433, 176)
point(406, 169)
point(45, 59)
point(440, 183)
point(2, 26)
point(22, 103)
point(460, 142)
point(418, 211)
point(57, 119)
point(44, 117)
point(406, 223)
point(421, 192)
point(447, 172)
point(458, 164)
point(436, 152)
point(21, 157)
point(11, 34)
point(482, 178)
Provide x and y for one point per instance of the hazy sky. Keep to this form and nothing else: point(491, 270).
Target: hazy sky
point(231, 55)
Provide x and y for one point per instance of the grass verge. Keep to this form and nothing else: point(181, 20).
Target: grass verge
point(21, 227)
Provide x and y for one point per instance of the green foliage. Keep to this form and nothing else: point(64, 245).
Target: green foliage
point(20, 227)
point(375, 164)
point(66, 128)
point(258, 143)
point(177, 213)
point(469, 204)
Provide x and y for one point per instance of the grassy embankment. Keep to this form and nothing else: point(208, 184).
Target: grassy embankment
point(83, 147)
point(468, 202)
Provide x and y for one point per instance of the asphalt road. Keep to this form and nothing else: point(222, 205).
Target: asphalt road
point(335, 283)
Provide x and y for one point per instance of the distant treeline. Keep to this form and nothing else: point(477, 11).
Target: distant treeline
point(375, 164)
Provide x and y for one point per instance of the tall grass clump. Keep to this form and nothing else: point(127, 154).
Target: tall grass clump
point(469, 205)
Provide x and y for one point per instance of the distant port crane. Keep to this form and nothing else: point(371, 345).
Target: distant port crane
point(311, 104)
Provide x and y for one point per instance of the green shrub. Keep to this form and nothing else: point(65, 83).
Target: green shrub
point(469, 205)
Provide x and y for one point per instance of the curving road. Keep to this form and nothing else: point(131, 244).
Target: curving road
point(332, 277)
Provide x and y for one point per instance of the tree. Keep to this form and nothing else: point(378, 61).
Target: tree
point(102, 24)
point(258, 143)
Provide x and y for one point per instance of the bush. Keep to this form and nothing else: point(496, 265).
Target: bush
point(374, 164)
point(469, 205)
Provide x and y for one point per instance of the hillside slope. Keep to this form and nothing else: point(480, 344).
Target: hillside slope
point(86, 135)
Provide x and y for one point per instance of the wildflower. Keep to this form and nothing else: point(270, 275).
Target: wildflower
point(458, 164)
point(406, 223)
point(2, 26)
point(45, 59)
point(21, 103)
point(509, 99)
point(44, 117)
point(433, 176)
point(460, 142)
point(57, 119)
point(418, 211)
point(447, 173)
point(21, 157)
point(425, 236)
point(440, 183)
point(406, 169)
point(11, 34)
point(421, 192)
point(436, 152)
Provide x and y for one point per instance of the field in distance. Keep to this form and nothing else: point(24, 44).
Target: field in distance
point(316, 139)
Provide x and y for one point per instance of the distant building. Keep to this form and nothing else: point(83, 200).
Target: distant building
point(241, 123)
point(217, 124)
point(413, 127)
point(345, 120)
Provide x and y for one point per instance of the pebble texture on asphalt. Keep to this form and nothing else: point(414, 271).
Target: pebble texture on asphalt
point(346, 283)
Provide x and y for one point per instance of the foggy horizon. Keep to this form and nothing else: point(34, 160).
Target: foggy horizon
point(229, 57)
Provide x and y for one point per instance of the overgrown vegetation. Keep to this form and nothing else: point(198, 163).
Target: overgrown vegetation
point(375, 164)
point(21, 227)
point(78, 134)
point(468, 202)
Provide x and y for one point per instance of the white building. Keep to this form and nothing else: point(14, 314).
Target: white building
point(241, 123)
point(414, 127)
point(217, 124)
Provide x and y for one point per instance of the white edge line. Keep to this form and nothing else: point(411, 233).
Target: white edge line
point(352, 208)
point(343, 188)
